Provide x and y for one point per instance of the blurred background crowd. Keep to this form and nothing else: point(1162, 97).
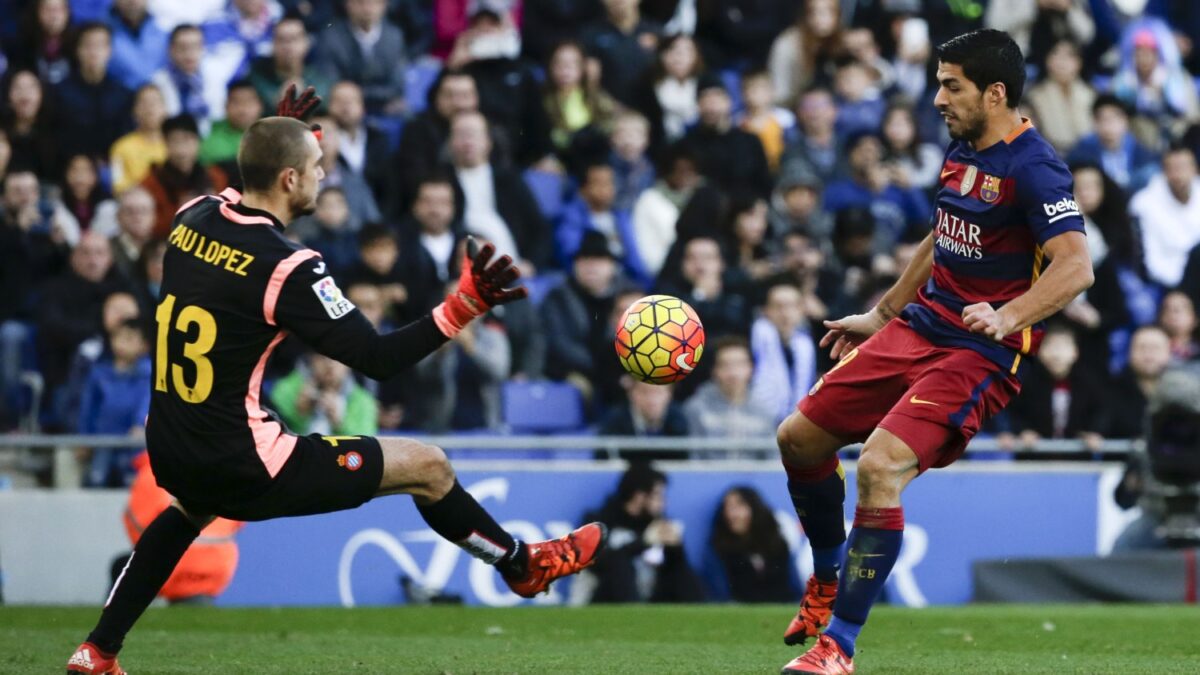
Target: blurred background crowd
point(771, 162)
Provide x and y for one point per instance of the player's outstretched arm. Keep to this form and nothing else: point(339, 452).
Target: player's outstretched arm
point(848, 332)
point(311, 307)
point(1068, 275)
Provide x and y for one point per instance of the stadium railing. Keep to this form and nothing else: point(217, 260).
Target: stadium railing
point(60, 450)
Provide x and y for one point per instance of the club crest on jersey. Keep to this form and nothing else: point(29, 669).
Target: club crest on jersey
point(351, 460)
point(336, 305)
point(968, 180)
point(989, 190)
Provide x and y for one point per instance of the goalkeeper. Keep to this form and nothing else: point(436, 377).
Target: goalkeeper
point(233, 287)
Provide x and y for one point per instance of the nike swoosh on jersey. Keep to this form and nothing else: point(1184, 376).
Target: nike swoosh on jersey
point(320, 268)
point(918, 401)
point(948, 172)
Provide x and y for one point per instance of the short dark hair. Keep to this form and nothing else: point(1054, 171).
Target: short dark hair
point(87, 27)
point(240, 83)
point(674, 153)
point(374, 233)
point(181, 29)
point(988, 56)
point(586, 170)
point(433, 178)
point(1109, 100)
point(445, 74)
point(181, 122)
point(639, 478)
point(853, 221)
point(1176, 147)
point(755, 74)
point(730, 342)
point(269, 146)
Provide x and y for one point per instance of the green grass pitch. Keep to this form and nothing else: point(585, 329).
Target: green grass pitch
point(622, 639)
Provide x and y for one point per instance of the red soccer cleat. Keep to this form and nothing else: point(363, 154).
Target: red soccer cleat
point(89, 659)
point(825, 658)
point(815, 610)
point(549, 560)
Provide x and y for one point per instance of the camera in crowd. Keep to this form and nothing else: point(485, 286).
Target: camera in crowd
point(1172, 488)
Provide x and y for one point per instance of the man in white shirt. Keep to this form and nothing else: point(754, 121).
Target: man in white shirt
point(496, 203)
point(362, 148)
point(783, 350)
point(1168, 212)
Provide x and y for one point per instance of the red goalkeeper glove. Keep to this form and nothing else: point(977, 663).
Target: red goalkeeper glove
point(480, 287)
point(297, 106)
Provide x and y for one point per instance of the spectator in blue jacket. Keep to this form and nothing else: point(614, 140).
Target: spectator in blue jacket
point(1113, 147)
point(241, 34)
point(897, 210)
point(593, 210)
point(336, 236)
point(139, 45)
point(92, 106)
point(632, 168)
point(116, 400)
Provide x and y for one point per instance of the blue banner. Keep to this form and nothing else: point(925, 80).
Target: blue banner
point(952, 517)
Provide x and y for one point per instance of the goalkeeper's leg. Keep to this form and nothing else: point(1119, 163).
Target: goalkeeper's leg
point(154, 557)
point(423, 471)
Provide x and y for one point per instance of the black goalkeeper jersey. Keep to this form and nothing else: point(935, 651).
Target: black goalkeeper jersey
point(233, 287)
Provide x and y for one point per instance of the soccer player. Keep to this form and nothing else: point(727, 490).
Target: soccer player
point(944, 348)
point(233, 287)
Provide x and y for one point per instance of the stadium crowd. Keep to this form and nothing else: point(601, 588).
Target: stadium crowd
point(771, 162)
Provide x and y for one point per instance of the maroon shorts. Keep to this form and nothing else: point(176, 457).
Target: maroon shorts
point(932, 398)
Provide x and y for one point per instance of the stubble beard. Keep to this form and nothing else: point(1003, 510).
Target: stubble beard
point(972, 128)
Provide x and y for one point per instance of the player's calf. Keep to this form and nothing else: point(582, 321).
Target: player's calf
point(817, 486)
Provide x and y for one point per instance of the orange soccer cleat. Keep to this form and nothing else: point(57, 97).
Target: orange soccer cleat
point(549, 560)
point(825, 658)
point(89, 659)
point(815, 610)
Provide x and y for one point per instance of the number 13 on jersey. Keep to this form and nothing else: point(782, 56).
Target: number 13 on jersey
point(194, 351)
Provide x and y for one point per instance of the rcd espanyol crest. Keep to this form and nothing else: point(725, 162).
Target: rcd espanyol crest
point(968, 180)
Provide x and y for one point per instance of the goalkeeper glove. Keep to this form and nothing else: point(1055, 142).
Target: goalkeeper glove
point(299, 106)
point(480, 287)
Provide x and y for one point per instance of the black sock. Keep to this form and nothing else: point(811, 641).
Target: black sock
point(163, 543)
point(818, 495)
point(460, 519)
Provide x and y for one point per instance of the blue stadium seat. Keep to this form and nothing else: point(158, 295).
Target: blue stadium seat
point(550, 192)
point(542, 284)
point(1102, 83)
point(392, 127)
point(733, 84)
point(418, 78)
point(541, 407)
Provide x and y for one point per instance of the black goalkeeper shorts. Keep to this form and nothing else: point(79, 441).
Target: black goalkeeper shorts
point(323, 474)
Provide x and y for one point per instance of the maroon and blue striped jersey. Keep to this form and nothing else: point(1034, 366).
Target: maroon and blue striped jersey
point(995, 211)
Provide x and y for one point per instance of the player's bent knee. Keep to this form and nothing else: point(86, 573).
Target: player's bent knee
point(434, 470)
point(415, 468)
point(878, 474)
point(802, 443)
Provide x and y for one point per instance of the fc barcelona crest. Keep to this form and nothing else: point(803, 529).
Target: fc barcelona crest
point(968, 180)
point(989, 191)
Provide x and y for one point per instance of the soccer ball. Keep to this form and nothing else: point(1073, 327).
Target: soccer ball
point(660, 339)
